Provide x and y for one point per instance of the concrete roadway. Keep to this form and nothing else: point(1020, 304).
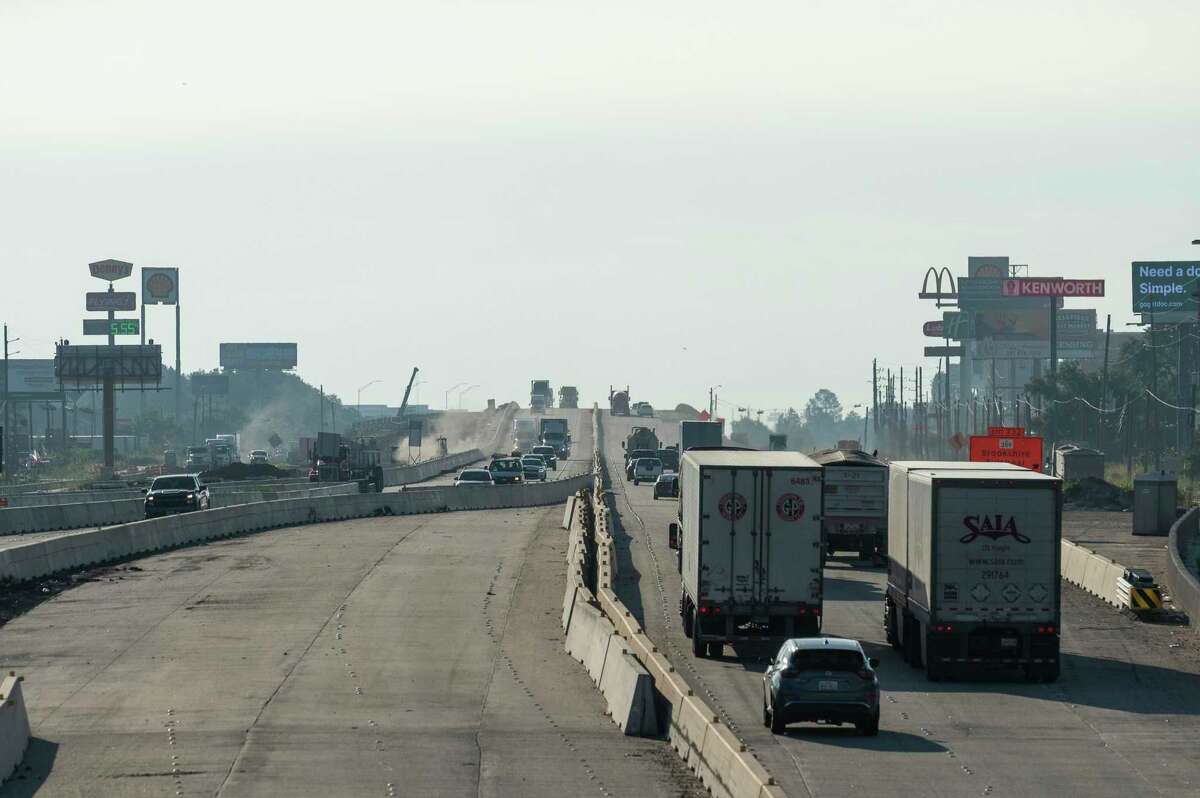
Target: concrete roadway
point(1121, 721)
point(580, 461)
point(406, 656)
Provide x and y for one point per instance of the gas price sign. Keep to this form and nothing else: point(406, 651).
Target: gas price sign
point(114, 327)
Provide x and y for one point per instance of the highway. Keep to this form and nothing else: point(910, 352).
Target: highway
point(416, 656)
point(1121, 721)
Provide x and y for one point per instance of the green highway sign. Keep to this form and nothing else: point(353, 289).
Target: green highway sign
point(114, 327)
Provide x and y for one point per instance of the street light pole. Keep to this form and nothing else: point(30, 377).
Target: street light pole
point(446, 398)
point(462, 393)
point(358, 398)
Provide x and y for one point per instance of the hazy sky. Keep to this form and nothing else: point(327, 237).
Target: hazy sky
point(665, 195)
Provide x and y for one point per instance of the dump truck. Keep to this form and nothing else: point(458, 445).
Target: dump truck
point(856, 503)
point(555, 432)
point(568, 397)
point(618, 402)
point(748, 539)
point(338, 459)
point(540, 393)
point(694, 434)
point(525, 433)
point(973, 568)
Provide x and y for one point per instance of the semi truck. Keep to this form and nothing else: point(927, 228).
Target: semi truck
point(525, 433)
point(640, 438)
point(618, 402)
point(748, 539)
point(693, 434)
point(338, 459)
point(568, 397)
point(854, 517)
point(777, 443)
point(540, 393)
point(973, 568)
point(555, 432)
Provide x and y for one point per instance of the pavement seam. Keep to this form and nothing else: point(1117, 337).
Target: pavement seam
point(296, 662)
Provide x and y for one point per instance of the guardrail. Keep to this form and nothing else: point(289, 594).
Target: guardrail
point(624, 662)
point(1181, 579)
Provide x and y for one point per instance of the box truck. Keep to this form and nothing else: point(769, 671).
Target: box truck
point(749, 547)
point(700, 433)
point(973, 568)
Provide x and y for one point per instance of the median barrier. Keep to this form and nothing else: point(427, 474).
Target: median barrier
point(1179, 577)
point(1093, 576)
point(1074, 562)
point(569, 513)
point(14, 725)
point(71, 551)
point(629, 692)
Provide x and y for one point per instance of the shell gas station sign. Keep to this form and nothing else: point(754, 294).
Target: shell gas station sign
point(1008, 445)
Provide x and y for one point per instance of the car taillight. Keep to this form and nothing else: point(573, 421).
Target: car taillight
point(865, 675)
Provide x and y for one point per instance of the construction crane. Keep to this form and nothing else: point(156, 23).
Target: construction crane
point(407, 391)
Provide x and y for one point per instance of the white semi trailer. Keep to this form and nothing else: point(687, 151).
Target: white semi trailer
point(973, 568)
point(749, 542)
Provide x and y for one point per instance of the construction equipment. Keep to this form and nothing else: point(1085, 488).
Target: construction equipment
point(568, 397)
point(541, 395)
point(407, 391)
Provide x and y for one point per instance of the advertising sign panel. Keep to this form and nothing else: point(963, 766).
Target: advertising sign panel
point(110, 269)
point(1023, 451)
point(114, 327)
point(943, 351)
point(127, 364)
point(31, 379)
point(1033, 349)
point(258, 356)
point(958, 326)
point(210, 384)
point(975, 293)
point(1052, 287)
point(111, 300)
point(160, 286)
point(933, 329)
point(987, 266)
point(1167, 289)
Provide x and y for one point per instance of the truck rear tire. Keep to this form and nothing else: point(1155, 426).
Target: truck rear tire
point(699, 647)
point(889, 624)
point(912, 641)
point(715, 648)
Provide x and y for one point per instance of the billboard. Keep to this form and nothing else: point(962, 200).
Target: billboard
point(1167, 289)
point(958, 326)
point(1020, 450)
point(160, 286)
point(126, 364)
point(988, 266)
point(258, 356)
point(975, 293)
point(31, 379)
point(111, 300)
point(210, 384)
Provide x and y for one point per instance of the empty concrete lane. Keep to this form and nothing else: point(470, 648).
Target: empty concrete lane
point(397, 656)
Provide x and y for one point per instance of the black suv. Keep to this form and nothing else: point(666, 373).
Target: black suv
point(176, 493)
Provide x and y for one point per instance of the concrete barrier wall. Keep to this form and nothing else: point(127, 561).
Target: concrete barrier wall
point(17, 520)
point(73, 551)
point(427, 469)
point(14, 725)
point(632, 665)
point(1093, 572)
point(1182, 554)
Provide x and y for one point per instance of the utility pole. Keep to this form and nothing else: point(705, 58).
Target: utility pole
point(1104, 382)
point(4, 447)
point(1051, 425)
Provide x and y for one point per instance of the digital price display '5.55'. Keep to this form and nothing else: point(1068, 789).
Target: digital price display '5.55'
point(114, 327)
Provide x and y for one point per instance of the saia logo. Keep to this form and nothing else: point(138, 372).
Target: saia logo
point(991, 526)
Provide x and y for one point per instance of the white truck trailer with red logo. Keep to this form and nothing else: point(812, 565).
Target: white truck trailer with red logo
point(973, 568)
point(749, 542)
